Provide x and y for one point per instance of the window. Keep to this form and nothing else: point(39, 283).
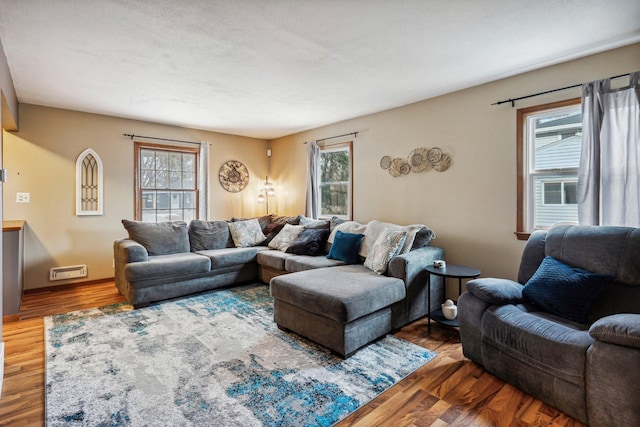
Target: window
point(166, 183)
point(335, 183)
point(549, 145)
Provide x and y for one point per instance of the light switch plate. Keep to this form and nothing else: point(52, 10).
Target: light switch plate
point(23, 197)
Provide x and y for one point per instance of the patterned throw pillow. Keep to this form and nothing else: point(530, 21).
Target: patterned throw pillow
point(384, 248)
point(246, 233)
point(285, 237)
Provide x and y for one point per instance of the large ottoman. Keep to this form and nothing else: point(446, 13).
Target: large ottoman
point(342, 308)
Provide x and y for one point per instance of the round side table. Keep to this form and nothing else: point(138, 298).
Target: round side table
point(450, 271)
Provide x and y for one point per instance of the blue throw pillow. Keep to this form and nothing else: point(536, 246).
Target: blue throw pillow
point(565, 291)
point(345, 247)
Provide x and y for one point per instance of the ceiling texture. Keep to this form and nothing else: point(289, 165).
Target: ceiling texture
point(269, 68)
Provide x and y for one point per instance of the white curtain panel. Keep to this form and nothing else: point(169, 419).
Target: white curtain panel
point(204, 181)
point(609, 172)
point(312, 209)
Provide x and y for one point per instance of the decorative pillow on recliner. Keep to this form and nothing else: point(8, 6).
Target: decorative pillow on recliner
point(159, 238)
point(310, 241)
point(563, 290)
point(345, 247)
point(246, 233)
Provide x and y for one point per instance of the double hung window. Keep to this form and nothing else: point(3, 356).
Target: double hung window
point(335, 183)
point(549, 145)
point(166, 183)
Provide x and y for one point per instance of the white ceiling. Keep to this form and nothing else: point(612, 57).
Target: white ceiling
point(269, 68)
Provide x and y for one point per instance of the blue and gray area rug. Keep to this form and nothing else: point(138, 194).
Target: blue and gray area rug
point(215, 359)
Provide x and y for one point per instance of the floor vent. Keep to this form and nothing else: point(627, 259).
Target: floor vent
point(70, 272)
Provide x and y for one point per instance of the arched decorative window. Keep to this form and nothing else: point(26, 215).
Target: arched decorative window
point(89, 183)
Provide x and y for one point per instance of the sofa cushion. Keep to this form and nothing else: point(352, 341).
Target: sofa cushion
point(285, 237)
point(276, 224)
point(543, 341)
point(564, 290)
point(314, 223)
point(167, 266)
point(273, 258)
point(229, 257)
point(310, 241)
point(246, 233)
point(385, 247)
point(296, 263)
point(345, 247)
point(204, 235)
point(159, 238)
point(342, 293)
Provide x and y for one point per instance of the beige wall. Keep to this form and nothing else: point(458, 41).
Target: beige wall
point(41, 160)
point(471, 206)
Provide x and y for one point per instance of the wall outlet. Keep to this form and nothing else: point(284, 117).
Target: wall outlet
point(23, 197)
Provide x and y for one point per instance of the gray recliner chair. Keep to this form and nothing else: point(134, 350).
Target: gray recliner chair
point(588, 369)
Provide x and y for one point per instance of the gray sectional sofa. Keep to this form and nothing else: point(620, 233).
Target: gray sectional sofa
point(166, 260)
point(568, 332)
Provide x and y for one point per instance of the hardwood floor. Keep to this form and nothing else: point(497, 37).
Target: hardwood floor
point(448, 391)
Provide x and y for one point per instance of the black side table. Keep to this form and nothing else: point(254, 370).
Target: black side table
point(452, 271)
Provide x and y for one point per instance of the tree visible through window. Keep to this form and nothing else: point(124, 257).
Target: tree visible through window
point(166, 183)
point(549, 145)
point(335, 181)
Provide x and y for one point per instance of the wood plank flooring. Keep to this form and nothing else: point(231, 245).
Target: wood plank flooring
point(448, 391)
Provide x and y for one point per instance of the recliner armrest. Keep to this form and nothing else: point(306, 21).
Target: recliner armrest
point(621, 329)
point(496, 291)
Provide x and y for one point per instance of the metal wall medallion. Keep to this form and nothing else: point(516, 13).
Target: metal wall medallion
point(233, 176)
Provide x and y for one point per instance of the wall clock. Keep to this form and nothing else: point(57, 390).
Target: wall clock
point(233, 176)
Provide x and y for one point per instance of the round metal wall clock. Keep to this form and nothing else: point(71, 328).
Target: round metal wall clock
point(233, 176)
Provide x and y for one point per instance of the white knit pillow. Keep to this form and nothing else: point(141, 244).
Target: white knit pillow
point(385, 247)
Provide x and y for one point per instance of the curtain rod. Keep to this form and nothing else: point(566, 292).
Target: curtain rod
point(355, 134)
point(130, 135)
point(513, 101)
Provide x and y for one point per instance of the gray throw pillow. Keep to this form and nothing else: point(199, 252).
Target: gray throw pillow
point(205, 235)
point(314, 223)
point(159, 238)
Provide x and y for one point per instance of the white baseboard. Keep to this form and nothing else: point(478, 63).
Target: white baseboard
point(1, 366)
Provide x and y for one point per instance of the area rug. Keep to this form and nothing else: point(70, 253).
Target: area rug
point(215, 359)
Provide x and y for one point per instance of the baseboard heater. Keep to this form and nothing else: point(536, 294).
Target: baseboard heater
point(69, 272)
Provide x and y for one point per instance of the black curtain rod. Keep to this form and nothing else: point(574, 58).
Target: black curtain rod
point(355, 134)
point(130, 135)
point(513, 101)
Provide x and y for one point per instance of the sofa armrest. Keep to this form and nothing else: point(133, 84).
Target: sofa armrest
point(621, 329)
point(127, 250)
point(496, 291)
point(409, 265)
